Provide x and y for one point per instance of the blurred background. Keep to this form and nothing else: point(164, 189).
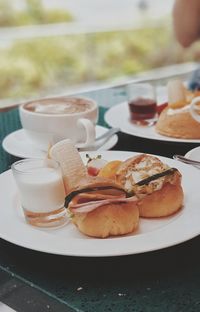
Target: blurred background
point(50, 47)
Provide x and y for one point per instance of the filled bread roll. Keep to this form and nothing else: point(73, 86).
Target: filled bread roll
point(157, 186)
point(99, 207)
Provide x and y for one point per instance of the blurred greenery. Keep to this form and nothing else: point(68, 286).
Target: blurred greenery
point(39, 66)
point(49, 65)
point(32, 13)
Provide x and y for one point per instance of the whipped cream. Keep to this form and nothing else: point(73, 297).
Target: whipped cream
point(144, 169)
point(173, 111)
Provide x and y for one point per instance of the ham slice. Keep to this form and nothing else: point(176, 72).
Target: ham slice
point(87, 197)
point(92, 205)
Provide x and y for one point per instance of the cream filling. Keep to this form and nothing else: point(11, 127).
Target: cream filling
point(172, 111)
point(143, 170)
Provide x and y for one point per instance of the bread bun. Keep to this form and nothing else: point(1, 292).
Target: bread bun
point(162, 203)
point(108, 220)
point(157, 186)
point(99, 208)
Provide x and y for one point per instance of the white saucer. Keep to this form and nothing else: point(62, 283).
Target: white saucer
point(194, 153)
point(18, 144)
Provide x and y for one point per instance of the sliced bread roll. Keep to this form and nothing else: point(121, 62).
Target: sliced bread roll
point(157, 186)
point(100, 208)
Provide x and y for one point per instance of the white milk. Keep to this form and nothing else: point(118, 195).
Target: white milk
point(42, 190)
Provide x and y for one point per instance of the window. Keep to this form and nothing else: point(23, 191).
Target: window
point(51, 47)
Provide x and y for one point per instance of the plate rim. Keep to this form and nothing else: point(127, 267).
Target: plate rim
point(193, 231)
point(159, 138)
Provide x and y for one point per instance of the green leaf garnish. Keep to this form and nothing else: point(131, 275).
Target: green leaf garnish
point(90, 158)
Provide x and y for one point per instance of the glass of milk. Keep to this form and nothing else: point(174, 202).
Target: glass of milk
point(41, 191)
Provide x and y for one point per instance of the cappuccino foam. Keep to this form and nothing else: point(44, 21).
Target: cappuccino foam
point(72, 106)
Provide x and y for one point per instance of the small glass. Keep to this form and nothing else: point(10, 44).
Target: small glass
point(142, 103)
point(41, 190)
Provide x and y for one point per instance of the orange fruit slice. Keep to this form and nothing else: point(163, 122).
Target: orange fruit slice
point(109, 170)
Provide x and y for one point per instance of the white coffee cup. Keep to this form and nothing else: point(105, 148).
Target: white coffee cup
point(195, 108)
point(48, 121)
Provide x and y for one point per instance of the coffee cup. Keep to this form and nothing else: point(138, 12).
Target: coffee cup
point(195, 108)
point(50, 120)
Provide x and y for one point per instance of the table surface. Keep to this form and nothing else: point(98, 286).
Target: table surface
point(164, 280)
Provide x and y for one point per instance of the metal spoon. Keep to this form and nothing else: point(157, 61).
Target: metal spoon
point(187, 160)
point(101, 140)
point(107, 134)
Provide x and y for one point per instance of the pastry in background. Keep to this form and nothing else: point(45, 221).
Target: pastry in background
point(157, 186)
point(177, 97)
point(175, 120)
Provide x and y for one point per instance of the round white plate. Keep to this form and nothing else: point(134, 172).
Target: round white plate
point(18, 144)
point(118, 116)
point(194, 153)
point(153, 234)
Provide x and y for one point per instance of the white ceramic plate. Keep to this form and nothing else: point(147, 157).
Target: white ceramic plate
point(153, 234)
point(18, 144)
point(118, 116)
point(194, 153)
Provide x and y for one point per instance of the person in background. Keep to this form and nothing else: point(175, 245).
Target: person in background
point(186, 19)
point(186, 22)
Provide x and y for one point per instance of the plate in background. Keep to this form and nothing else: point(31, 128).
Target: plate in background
point(118, 116)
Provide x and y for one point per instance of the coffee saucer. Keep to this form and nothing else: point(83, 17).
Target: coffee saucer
point(18, 144)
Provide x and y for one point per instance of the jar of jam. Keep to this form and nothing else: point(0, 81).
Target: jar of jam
point(142, 103)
